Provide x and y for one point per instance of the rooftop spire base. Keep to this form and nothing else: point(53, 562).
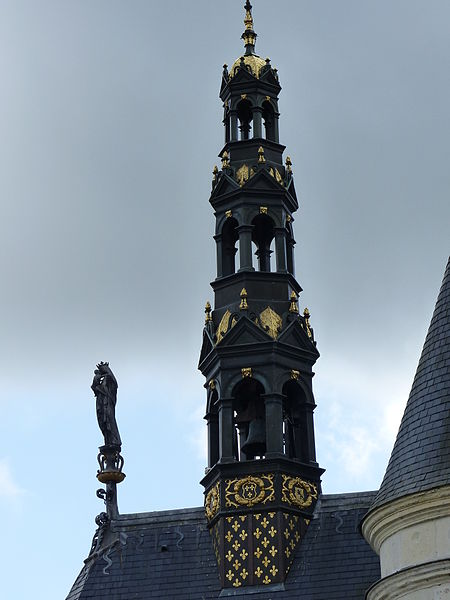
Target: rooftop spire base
point(111, 464)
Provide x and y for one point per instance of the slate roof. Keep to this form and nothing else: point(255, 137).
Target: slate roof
point(420, 459)
point(169, 555)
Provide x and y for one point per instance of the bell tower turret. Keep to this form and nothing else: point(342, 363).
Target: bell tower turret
point(258, 352)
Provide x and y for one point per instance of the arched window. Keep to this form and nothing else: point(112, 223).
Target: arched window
point(269, 121)
point(262, 236)
point(249, 418)
point(244, 114)
point(296, 426)
point(229, 239)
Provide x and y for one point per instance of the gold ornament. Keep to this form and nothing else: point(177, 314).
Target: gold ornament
point(243, 305)
point(271, 322)
point(306, 315)
point(293, 307)
point(208, 317)
point(261, 157)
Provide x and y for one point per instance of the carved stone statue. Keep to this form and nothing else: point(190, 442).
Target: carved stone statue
point(104, 386)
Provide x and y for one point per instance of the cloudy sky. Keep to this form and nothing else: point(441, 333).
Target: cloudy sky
point(110, 126)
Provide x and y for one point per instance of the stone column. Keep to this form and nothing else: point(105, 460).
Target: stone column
point(280, 249)
point(226, 123)
point(219, 256)
point(226, 430)
point(304, 434)
point(245, 247)
point(290, 255)
point(274, 423)
point(263, 255)
point(233, 126)
point(212, 421)
point(257, 122)
point(276, 132)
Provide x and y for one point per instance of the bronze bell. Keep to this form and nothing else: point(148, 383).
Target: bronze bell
point(255, 444)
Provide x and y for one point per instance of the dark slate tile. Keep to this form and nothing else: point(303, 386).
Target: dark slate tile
point(420, 459)
point(333, 560)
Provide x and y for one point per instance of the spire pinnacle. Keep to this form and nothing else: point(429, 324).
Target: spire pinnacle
point(248, 21)
point(249, 36)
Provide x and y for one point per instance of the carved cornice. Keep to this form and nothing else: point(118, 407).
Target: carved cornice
point(385, 521)
point(409, 581)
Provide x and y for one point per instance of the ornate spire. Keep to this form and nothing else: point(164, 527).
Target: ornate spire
point(248, 21)
point(104, 386)
point(249, 36)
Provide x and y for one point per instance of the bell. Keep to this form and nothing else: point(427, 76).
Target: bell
point(255, 444)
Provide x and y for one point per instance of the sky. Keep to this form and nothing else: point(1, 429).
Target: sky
point(110, 126)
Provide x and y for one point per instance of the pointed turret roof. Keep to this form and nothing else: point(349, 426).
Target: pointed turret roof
point(420, 459)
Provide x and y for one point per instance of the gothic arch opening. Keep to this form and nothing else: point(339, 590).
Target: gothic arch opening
point(249, 419)
point(244, 114)
point(296, 423)
point(269, 121)
point(263, 235)
point(229, 238)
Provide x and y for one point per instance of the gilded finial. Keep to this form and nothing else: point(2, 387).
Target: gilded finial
point(248, 21)
point(293, 307)
point(243, 305)
point(306, 315)
point(249, 36)
point(225, 160)
point(288, 164)
point(208, 316)
point(261, 157)
point(215, 173)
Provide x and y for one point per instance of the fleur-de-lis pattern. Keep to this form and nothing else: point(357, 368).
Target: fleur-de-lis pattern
point(293, 531)
point(256, 548)
point(215, 534)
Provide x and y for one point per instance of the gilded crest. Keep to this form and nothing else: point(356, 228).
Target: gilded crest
point(297, 492)
point(212, 502)
point(249, 490)
point(271, 322)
